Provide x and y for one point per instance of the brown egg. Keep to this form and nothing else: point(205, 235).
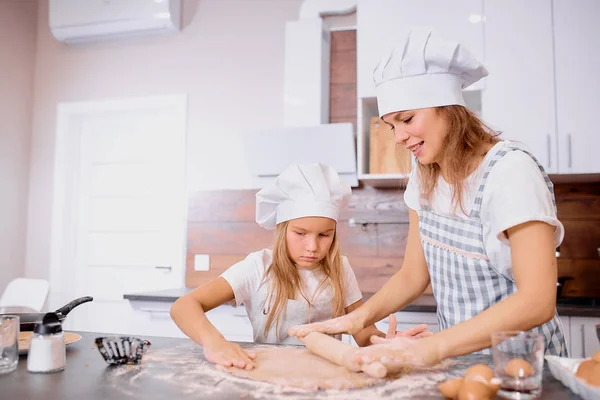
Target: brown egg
point(482, 370)
point(474, 389)
point(519, 368)
point(494, 386)
point(449, 389)
point(584, 369)
point(596, 356)
point(594, 377)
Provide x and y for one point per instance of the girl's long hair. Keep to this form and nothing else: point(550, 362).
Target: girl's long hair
point(285, 282)
point(467, 136)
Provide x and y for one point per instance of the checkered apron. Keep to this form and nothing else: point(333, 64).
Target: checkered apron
point(463, 279)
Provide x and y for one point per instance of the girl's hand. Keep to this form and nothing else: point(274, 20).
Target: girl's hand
point(229, 354)
point(416, 332)
point(349, 323)
point(396, 354)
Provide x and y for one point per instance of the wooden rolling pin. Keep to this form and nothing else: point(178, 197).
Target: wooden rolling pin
point(337, 352)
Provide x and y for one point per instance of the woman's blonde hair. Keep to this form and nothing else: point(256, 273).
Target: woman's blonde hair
point(286, 283)
point(466, 138)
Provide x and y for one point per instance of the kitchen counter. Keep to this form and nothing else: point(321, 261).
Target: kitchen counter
point(175, 368)
point(567, 307)
point(422, 304)
point(168, 295)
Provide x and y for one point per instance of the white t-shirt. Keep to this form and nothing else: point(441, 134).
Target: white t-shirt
point(515, 192)
point(246, 278)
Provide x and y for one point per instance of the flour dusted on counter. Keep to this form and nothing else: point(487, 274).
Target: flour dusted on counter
point(184, 371)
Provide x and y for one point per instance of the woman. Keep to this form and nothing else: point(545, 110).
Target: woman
point(483, 225)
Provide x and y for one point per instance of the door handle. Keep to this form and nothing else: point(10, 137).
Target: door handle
point(549, 152)
point(582, 330)
point(165, 267)
point(569, 146)
point(157, 314)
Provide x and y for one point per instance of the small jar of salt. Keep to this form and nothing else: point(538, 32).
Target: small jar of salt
point(47, 347)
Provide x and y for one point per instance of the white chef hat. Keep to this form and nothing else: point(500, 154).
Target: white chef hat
point(302, 190)
point(423, 70)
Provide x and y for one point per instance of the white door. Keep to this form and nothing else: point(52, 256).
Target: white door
point(121, 172)
point(379, 21)
point(518, 99)
point(577, 55)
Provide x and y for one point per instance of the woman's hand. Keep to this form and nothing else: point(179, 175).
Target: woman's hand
point(229, 354)
point(416, 332)
point(396, 354)
point(349, 323)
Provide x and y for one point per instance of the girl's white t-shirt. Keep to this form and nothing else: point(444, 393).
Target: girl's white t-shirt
point(515, 192)
point(246, 276)
point(247, 279)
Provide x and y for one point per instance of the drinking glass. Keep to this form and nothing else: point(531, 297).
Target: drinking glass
point(9, 343)
point(518, 363)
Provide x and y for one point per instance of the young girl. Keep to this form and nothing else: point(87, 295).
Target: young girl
point(303, 279)
point(483, 226)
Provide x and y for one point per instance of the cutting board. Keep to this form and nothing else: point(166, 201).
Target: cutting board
point(385, 156)
point(25, 337)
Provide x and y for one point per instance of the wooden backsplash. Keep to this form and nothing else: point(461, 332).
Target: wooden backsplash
point(221, 223)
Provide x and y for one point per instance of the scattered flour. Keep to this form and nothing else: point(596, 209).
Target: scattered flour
point(182, 370)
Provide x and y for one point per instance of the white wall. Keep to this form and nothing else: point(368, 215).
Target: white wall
point(17, 55)
point(229, 59)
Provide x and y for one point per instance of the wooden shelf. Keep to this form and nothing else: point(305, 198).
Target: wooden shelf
point(367, 108)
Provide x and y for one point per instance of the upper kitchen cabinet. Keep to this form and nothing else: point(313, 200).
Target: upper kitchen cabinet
point(519, 98)
point(577, 56)
point(378, 21)
point(543, 89)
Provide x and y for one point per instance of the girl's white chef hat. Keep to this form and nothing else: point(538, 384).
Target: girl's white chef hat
point(423, 70)
point(302, 190)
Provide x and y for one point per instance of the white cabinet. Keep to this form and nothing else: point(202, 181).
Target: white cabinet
point(306, 86)
point(519, 96)
point(577, 56)
point(232, 322)
point(543, 88)
point(152, 318)
point(584, 340)
point(379, 21)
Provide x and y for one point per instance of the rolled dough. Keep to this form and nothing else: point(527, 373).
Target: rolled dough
point(298, 367)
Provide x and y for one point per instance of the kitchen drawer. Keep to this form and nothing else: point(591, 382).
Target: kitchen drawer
point(232, 322)
point(153, 318)
point(155, 323)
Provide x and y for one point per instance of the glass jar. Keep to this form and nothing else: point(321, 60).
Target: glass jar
point(47, 347)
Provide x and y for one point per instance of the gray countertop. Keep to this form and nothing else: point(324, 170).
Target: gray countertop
point(176, 368)
point(567, 307)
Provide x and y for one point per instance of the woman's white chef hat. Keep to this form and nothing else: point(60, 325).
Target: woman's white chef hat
point(423, 70)
point(302, 190)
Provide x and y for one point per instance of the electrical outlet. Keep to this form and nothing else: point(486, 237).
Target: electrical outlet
point(201, 262)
